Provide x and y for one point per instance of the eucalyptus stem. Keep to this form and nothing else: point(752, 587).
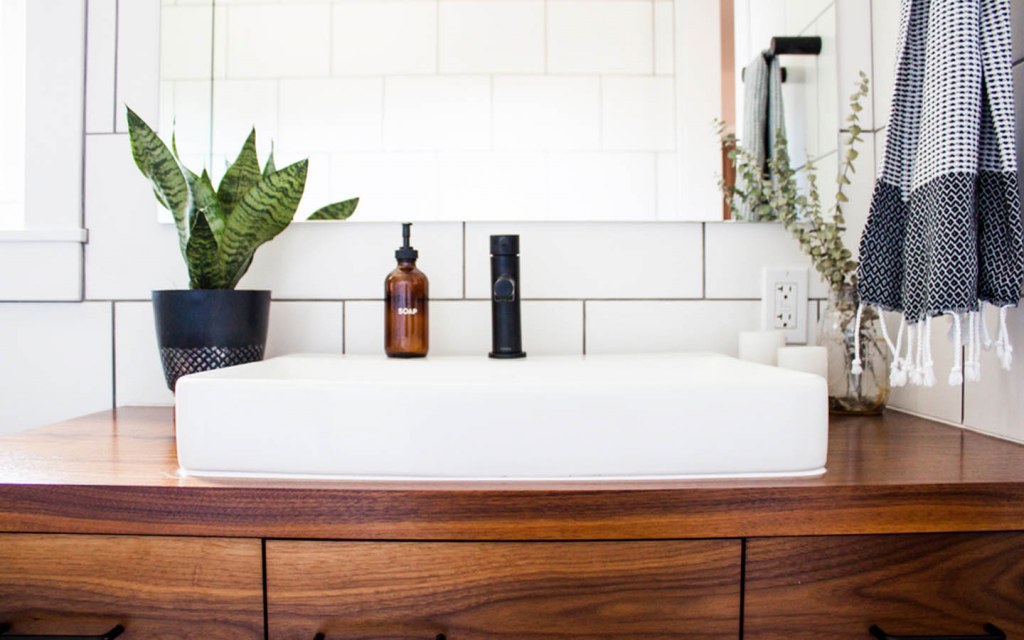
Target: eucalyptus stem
point(774, 195)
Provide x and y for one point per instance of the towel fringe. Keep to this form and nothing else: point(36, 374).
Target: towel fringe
point(927, 366)
point(972, 366)
point(956, 374)
point(986, 339)
point(1004, 350)
point(857, 367)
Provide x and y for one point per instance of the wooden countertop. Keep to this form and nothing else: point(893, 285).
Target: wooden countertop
point(115, 472)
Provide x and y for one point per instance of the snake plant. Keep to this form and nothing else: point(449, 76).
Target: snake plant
point(220, 229)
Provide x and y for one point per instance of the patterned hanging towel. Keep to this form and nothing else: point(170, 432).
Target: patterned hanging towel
point(944, 233)
point(763, 117)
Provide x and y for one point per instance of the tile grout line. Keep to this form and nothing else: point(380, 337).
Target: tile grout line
point(463, 260)
point(344, 327)
point(584, 327)
point(117, 44)
point(113, 354)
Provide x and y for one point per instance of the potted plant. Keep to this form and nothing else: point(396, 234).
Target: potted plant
point(211, 324)
point(775, 195)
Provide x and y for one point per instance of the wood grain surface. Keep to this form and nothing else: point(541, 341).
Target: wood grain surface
point(504, 591)
point(909, 585)
point(157, 587)
point(115, 473)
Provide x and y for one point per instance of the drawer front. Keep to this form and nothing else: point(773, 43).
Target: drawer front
point(912, 585)
point(157, 587)
point(506, 591)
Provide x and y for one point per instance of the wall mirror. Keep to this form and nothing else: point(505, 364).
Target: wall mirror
point(472, 110)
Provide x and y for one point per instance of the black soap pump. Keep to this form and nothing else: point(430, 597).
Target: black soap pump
point(406, 298)
point(506, 318)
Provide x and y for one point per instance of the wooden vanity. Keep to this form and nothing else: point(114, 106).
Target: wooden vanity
point(917, 528)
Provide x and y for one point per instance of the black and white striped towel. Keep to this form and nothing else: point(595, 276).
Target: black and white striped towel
point(944, 234)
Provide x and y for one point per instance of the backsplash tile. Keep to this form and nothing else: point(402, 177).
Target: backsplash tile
point(593, 260)
point(657, 325)
point(384, 37)
point(463, 327)
point(59, 366)
point(267, 41)
point(638, 114)
point(491, 36)
point(100, 66)
point(596, 36)
point(451, 113)
point(140, 377)
point(561, 113)
point(736, 255)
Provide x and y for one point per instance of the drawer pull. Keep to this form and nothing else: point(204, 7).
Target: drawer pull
point(110, 635)
point(992, 632)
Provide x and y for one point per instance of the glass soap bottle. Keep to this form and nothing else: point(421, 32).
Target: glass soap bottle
point(406, 297)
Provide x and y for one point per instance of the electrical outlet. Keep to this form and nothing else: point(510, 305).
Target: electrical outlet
point(784, 303)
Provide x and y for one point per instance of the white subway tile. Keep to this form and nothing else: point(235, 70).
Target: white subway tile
point(735, 255)
point(668, 186)
point(598, 36)
point(463, 327)
point(491, 36)
point(186, 46)
point(138, 60)
point(941, 402)
point(492, 186)
point(1017, 28)
point(384, 37)
point(317, 192)
point(601, 186)
point(331, 114)
point(304, 327)
point(593, 260)
point(187, 114)
point(390, 186)
point(270, 41)
point(100, 64)
point(55, 272)
point(800, 14)
point(241, 105)
point(546, 112)
point(56, 362)
point(658, 326)
point(140, 374)
point(995, 405)
point(638, 114)
point(344, 260)
point(885, 27)
point(853, 50)
point(364, 326)
point(437, 113)
point(827, 87)
point(664, 38)
point(859, 192)
point(129, 253)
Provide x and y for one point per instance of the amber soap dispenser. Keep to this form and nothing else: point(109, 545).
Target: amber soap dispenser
point(406, 296)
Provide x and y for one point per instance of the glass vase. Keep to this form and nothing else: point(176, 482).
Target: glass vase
point(865, 393)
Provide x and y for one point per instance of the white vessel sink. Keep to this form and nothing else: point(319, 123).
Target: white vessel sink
point(572, 417)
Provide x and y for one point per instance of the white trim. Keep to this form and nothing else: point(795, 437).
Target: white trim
point(76, 236)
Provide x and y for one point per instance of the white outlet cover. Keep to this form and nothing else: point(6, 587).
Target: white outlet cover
point(774, 277)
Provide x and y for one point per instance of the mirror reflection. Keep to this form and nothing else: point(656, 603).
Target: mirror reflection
point(458, 110)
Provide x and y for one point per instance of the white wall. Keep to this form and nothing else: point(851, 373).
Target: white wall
point(589, 287)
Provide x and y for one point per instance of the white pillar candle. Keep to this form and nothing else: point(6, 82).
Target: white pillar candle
point(761, 346)
point(809, 359)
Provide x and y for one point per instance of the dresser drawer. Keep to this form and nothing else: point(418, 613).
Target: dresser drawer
point(911, 585)
point(506, 591)
point(157, 587)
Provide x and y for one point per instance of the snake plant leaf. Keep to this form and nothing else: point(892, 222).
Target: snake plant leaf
point(336, 211)
point(241, 176)
point(159, 165)
point(270, 167)
point(207, 205)
point(205, 270)
point(262, 213)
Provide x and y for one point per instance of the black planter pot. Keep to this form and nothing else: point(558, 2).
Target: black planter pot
point(203, 329)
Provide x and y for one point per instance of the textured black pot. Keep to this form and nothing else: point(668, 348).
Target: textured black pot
point(202, 329)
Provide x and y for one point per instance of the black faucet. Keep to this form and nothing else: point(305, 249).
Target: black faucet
point(506, 319)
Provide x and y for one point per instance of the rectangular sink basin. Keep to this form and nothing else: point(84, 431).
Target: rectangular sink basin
point(685, 415)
